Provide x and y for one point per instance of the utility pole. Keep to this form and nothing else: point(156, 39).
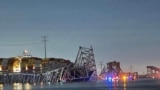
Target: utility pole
point(131, 68)
point(101, 64)
point(44, 40)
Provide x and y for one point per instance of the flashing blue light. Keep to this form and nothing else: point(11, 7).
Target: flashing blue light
point(130, 78)
point(109, 78)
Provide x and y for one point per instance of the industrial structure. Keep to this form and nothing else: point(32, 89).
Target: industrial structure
point(30, 69)
point(153, 72)
point(112, 71)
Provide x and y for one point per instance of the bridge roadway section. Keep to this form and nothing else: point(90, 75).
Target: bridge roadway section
point(50, 76)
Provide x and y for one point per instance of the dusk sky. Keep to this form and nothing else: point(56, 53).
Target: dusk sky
point(127, 31)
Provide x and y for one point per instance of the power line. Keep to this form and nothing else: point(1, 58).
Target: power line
point(20, 44)
point(22, 40)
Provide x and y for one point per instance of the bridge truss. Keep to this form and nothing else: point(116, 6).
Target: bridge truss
point(85, 63)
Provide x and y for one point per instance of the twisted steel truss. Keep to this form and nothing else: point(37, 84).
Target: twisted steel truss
point(85, 63)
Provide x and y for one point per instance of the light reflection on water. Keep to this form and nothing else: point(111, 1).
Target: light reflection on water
point(27, 86)
point(1, 86)
point(17, 86)
point(44, 86)
point(41, 85)
point(124, 86)
point(23, 86)
point(116, 85)
point(99, 85)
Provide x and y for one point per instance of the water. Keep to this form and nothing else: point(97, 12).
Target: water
point(146, 84)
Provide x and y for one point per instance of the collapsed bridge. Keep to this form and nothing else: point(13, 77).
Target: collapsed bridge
point(83, 69)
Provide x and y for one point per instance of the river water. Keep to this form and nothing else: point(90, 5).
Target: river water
point(145, 84)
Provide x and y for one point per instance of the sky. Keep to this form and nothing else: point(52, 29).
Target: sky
point(118, 30)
